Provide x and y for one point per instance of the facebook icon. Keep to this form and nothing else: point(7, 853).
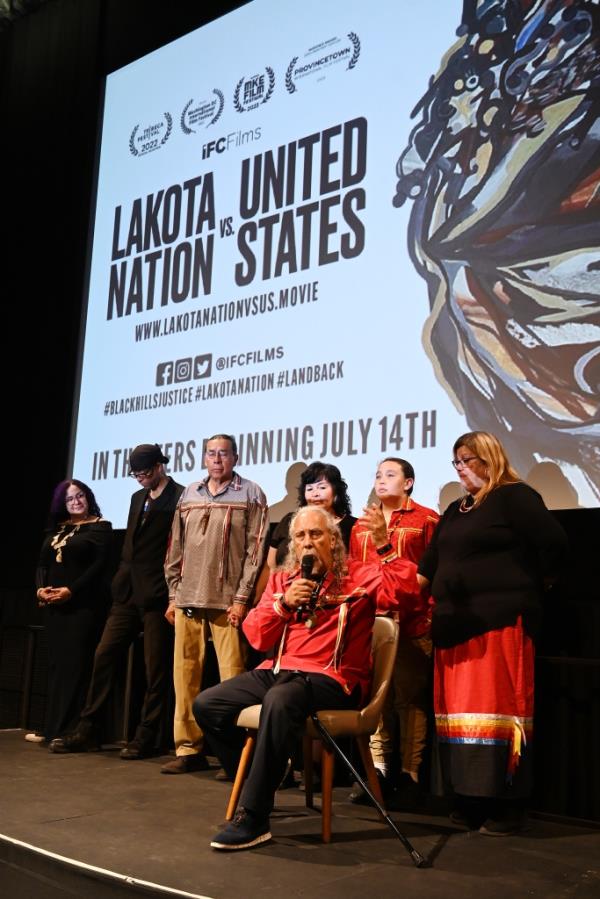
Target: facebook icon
point(164, 373)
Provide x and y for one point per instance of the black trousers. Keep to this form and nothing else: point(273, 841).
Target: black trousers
point(124, 622)
point(287, 700)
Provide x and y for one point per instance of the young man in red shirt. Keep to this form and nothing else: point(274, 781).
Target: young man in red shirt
point(410, 527)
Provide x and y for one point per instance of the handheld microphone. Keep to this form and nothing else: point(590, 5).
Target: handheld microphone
point(306, 567)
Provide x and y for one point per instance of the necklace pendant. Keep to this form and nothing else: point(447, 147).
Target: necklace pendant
point(310, 621)
point(61, 539)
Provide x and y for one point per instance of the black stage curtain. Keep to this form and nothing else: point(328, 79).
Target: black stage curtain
point(52, 65)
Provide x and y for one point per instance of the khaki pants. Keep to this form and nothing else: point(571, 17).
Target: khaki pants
point(191, 637)
point(407, 704)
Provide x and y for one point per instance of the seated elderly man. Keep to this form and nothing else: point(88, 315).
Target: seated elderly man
point(318, 612)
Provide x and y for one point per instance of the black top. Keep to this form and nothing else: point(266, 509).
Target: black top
point(487, 566)
point(140, 574)
point(281, 535)
point(84, 553)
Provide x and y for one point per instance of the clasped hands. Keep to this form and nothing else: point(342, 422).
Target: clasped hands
point(53, 595)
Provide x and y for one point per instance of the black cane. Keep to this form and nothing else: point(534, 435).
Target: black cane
point(418, 859)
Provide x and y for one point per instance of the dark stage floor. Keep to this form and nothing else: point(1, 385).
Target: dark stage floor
point(127, 818)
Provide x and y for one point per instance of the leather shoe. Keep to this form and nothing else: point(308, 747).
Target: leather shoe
point(83, 739)
point(186, 764)
point(135, 749)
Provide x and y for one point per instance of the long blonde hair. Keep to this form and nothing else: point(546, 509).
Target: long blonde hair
point(490, 451)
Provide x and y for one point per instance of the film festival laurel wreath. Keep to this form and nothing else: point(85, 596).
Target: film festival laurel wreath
point(241, 105)
point(216, 107)
point(355, 43)
point(149, 139)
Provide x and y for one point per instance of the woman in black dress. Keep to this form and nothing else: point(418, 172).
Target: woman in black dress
point(488, 563)
point(72, 589)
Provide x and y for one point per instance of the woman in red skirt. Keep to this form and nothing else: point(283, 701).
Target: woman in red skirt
point(491, 557)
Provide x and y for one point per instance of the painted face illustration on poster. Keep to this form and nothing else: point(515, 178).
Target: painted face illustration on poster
point(503, 173)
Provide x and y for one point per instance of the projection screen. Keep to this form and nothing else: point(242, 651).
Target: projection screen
point(344, 231)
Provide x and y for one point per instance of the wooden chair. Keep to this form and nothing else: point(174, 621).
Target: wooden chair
point(359, 724)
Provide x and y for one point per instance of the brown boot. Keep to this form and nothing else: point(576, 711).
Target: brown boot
point(186, 764)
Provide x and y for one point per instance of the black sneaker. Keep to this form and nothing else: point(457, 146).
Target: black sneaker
point(358, 795)
point(407, 795)
point(505, 826)
point(245, 831)
point(470, 812)
point(459, 819)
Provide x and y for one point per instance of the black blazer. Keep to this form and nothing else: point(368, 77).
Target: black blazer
point(140, 574)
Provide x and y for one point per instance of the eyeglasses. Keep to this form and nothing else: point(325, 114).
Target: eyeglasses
point(141, 474)
point(77, 497)
point(460, 463)
point(222, 454)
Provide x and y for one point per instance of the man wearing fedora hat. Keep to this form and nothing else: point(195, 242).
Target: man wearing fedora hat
point(140, 600)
